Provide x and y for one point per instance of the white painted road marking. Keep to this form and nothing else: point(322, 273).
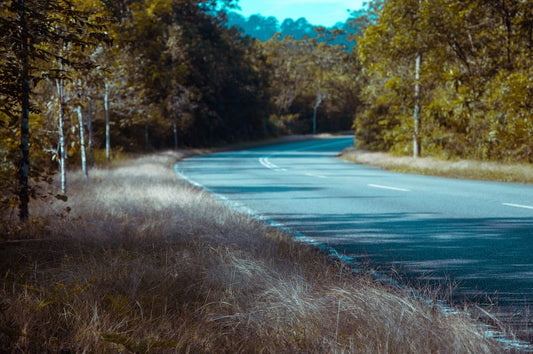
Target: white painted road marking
point(265, 162)
point(315, 175)
point(389, 188)
point(518, 206)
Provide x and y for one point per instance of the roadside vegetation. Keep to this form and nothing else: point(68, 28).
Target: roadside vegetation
point(466, 169)
point(137, 260)
point(447, 78)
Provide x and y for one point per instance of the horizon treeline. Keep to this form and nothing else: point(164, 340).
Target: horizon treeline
point(84, 80)
point(264, 28)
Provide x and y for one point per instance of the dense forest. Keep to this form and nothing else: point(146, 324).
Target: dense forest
point(84, 78)
point(448, 78)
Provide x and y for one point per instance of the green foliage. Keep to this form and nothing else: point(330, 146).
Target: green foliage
point(475, 82)
point(194, 74)
point(311, 77)
point(34, 34)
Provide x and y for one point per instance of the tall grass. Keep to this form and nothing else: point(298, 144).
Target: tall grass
point(467, 169)
point(143, 263)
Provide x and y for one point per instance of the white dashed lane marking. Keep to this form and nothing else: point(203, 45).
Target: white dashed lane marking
point(518, 206)
point(389, 188)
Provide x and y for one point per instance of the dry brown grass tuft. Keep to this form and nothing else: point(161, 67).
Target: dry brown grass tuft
point(468, 169)
point(145, 263)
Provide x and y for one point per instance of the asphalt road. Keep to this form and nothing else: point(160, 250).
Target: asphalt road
point(473, 237)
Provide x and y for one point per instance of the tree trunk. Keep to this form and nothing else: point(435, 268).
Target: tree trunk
point(416, 114)
point(62, 143)
point(107, 123)
point(24, 162)
point(315, 109)
point(82, 143)
point(90, 131)
point(175, 130)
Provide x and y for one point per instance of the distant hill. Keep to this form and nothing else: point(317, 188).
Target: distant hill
point(263, 28)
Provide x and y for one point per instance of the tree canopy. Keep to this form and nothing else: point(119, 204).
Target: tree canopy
point(476, 78)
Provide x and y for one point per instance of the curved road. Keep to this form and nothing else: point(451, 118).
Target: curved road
point(476, 236)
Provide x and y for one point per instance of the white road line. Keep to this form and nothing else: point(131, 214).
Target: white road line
point(389, 188)
point(265, 159)
point(315, 175)
point(265, 162)
point(518, 206)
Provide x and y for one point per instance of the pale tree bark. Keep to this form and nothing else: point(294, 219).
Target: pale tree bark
point(175, 130)
point(90, 131)
point(416, 114)
point(62, 153)
point(107, 123)
point(319, 98)
point(82, 143)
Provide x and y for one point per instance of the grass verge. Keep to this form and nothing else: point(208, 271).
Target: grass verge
point(466, 169)
point(138, 261)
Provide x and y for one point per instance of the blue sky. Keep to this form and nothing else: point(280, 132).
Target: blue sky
point(317, 12)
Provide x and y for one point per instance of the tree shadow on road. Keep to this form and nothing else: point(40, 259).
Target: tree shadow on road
point(484, 257)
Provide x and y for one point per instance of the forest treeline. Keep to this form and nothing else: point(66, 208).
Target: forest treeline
point(78, 77)
point(456, 77)
point(264, 28)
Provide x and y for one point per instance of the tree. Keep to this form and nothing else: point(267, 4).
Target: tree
point(309, 74)
point(32, 30)
point(470, 50)
point(190, 65)
point(325, 68)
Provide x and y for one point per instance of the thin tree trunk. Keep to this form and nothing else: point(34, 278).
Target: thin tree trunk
point(24, 162)
point(62, 143)
point(107, 124)
point(416, 114)
point(82, 143)
point(90, 131)
point(318, 102)
point(175, 130)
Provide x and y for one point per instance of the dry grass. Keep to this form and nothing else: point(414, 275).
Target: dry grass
point(145, 263)
point(468, 169)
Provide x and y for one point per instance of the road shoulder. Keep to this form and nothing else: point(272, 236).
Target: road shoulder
point(464, 169)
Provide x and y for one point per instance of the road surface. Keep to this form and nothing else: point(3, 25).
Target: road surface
point(475, 237)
